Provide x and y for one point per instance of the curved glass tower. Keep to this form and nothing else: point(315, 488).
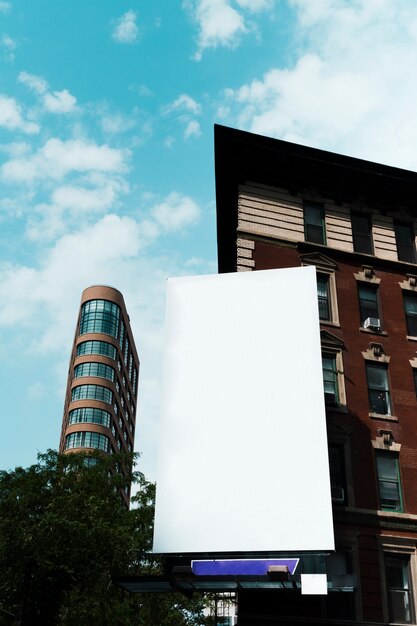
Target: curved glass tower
point(102, 388)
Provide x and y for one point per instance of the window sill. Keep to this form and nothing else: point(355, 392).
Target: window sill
point(329, 323)
point(385, 418)
point(411, 337)
point(375, 332)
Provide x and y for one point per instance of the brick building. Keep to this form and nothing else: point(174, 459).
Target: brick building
point(284, 205)
point(102, 388)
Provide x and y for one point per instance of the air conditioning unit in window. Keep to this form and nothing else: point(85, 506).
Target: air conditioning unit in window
point(338, 494)
point(372, 322)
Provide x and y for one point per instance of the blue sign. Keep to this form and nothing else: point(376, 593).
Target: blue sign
point(240, 567)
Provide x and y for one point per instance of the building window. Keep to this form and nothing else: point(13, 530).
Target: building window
point(314, 224)
point(388, 475)
point(398, 583)
point(331, 388)
point(404, 236)
point(410, 309)
point(378, 389)
point(362, 233)
point(96, 347)
point(90, 415)
point(368, 306)
point(323, 296)
point(337, 473)
point(101, 370)
point(87, 439)
point(100, 316)
point(92, 392)
point(135, 375)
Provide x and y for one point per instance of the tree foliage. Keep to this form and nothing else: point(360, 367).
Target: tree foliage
point(64, 534)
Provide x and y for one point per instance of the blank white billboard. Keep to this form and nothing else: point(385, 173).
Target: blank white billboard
point(243, 463)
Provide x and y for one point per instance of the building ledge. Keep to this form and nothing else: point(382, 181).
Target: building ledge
point(384, 418)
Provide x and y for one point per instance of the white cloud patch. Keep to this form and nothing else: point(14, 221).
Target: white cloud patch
point(176, 212)
point(223, 22)
point(343, 93)
point(11, 116)
point(35, 83)
point(255, 5)
point(9, 45)
point(219, 25)
point(185, 108)
point(53, 101)
point(59, 101)
point(185, 103)
point(192, 129)
point(126, 30)
point(56, 158)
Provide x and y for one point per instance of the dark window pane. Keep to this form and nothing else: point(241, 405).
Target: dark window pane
point(314, 222)
point(378, 390)
point(404, 236)
point(331, 392)
point(368, 302)
point(361, 230)
point(398, 589)
point(410, 308)
point(337, 473)
point(388, 481)
point(323, 296)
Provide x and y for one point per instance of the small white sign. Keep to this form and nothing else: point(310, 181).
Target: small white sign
point(313, 584)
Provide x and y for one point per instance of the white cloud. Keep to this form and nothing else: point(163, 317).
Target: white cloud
point(126, 30)
point(185, 107)
point(175, 212)
point(5, 6)
point(11, 116)
point(9, 45)
point(52, 101)
point(56, 158)
point(115, 123)
point(192, 129)
point(81, 199)
point(59, 101)
point(185, 103)
point(351, 89)
point(219, 24)
point(35, 83)
point(255, 5)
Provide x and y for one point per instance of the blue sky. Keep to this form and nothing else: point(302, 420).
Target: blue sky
point(106, 157)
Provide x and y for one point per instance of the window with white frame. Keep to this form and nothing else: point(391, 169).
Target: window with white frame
point(326, 286)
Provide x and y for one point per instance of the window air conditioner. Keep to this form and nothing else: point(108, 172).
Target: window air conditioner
point(372, 322)
point(338, 494)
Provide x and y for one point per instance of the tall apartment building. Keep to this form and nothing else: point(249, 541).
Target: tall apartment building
point(284, 205)
point(102, 388)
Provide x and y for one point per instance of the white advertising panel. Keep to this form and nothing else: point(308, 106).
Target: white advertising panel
point(243, 464)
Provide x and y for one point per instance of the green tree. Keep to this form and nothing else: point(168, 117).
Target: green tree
point(64, 534)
